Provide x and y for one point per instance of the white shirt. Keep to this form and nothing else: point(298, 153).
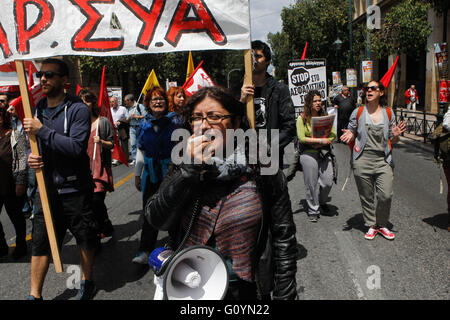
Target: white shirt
point(119, 113)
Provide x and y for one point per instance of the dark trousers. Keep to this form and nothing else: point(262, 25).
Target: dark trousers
point(447, 176)
point(124, 146)
point(149, 235)
point(341, 124)
point(100, 210)
point(241, 290)
point(13, 206)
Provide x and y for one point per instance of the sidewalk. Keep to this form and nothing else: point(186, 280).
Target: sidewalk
point(412, 139)
point(417, 142)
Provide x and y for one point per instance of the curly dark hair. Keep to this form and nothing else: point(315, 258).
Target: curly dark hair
point(89, 96)
point(224, 97)
point(383, 98)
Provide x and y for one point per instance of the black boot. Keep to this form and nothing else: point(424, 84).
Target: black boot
point(20, 250)
point(3, 248)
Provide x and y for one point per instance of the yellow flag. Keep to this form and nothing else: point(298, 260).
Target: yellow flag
point(151, 82)
point(190, 66)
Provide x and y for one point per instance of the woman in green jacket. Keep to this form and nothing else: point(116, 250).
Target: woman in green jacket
point(315, 157)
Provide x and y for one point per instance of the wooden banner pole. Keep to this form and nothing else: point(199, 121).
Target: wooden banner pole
point(248, 80)
point(20, 68)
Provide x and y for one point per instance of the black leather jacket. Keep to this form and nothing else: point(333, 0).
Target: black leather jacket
point(274, 264)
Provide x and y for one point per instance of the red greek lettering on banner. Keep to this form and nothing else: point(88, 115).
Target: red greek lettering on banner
point(203, 22)
point(43, 21)
point(4, 44)
point(82, 40)
point(150, 19)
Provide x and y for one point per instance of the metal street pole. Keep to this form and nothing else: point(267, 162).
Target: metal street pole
point(228, 76)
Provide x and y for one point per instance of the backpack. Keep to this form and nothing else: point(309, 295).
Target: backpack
point(441, 142)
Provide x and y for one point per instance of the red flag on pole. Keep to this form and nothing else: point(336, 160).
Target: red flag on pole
point(105, 111)
point(198, 79)
point(304, 51)
point(35, 94)
point(386, 80)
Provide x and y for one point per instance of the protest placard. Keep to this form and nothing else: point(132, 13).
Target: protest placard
point(304, 76)
point(321, 126)
point(41, 28)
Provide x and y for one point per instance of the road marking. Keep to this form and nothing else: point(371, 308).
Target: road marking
point(121, 182)
point(357, 269)
point(116, 185)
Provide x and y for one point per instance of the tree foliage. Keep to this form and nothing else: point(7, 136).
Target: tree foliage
point(131, 72)
point(320, 23)
point(405, 30)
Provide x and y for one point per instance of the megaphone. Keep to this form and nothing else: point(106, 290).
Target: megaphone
point(195, 273)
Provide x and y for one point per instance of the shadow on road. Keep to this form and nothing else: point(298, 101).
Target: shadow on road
point(302, 252)
point(355, 222)
point(440, 220)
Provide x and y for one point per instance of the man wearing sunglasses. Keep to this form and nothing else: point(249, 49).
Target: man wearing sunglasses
point(62, 126)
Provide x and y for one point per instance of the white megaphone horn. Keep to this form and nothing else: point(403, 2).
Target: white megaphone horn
point(195, 273)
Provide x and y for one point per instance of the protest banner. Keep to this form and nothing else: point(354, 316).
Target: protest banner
point(321, 126)
point(441, 54)
point(336, 77)
point(352, 79)
point(366, 71)
point(116, 92)
point(306, 75)
point(41, 28)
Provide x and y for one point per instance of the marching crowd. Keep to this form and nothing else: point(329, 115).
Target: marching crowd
point(225, 204)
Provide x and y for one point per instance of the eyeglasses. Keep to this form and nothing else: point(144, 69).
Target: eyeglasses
point(210, 118)
point(156, 99)
point(373, 88)
point(47, 74)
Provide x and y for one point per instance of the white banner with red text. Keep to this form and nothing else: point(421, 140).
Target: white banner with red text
point(32, 29)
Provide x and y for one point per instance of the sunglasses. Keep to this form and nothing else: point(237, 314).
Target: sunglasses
point(373, 88)
point(47, 74)
point(2, 101)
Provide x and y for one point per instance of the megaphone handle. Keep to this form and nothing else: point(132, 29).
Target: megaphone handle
point(195, 211)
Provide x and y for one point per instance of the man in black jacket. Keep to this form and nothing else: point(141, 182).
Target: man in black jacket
point(273, 104)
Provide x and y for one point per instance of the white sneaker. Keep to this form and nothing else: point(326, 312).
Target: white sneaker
point(132, 163)
point(141, 257)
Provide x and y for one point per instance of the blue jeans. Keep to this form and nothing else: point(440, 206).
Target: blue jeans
point(32, 186)
point(133, 141)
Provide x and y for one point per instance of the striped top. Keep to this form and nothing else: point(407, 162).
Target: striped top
point(234, 222)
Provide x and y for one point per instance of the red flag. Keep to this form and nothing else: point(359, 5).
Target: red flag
point(304, 51)
point(79, 89)
point(11, 66)
point(105, 111)
point(198, 79)
point(386, 80)
point(35, 92)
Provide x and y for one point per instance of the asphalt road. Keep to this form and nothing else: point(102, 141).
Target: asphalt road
point(335, 262)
